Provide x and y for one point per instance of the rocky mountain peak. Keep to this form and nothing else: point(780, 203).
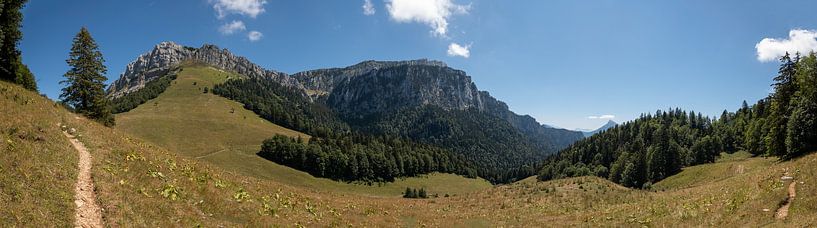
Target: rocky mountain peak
point(166, 55)
point(322, 82)
point(374, 64)
point(370, 88)
point(608, 125)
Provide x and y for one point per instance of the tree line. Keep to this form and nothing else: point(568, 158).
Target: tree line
point(494, 149)
point(282, 105)
point(351, 154)
point(499, 152)
point(362, 158)
point(653, 147)
point(12, 68)
point(151, 90)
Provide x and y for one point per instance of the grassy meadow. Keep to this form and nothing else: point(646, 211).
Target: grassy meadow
point(211, 128)
point(140, 183)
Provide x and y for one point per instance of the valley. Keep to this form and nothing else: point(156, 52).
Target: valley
point(316, 117)
point(211, 128)
point(139, 182)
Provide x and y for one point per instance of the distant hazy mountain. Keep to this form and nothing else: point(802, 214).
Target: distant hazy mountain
point(608, 125)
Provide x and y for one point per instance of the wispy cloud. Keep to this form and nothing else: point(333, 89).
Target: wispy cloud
point(434, 13)
point(232, 27)
point(368, 7)
point(799, 40)
point(254, 36)
point(250, 8)
point(455, 49)
point(607, 116)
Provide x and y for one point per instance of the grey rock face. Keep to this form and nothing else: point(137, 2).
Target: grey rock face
point(166, 55)
point(323, 81)
point(148, 66)
point(369, 87)
point(377, 86)
point(373, 87)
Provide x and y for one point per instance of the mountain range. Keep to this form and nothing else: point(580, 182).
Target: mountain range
point(422, 100)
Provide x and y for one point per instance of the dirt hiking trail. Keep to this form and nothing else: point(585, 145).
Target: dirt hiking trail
point(783, 211)
point(88, 212)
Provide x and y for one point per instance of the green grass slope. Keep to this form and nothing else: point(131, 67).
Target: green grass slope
point(215, 129)
point(141, 184)
point(137, 183)
point(37, 165)
point(727, 166)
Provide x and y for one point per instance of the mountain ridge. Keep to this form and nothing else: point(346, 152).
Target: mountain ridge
point(350, 90)
point(608, 125)
point(378, 97)
point(453, 89)
point(155, 63)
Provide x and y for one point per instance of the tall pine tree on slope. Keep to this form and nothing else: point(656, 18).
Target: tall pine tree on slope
point(85, 80)
point(784, 89)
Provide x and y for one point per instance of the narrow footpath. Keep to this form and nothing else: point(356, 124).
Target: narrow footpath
point(88, 213)
point(783, 211)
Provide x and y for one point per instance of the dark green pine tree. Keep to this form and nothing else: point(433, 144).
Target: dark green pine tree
point(407, 194)
point(422, 193)
point(784, 89)
point(11, 67)
point(84, 90)
point(801, 135)
point(24, 77)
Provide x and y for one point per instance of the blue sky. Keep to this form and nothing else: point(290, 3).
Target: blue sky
point(558, 61)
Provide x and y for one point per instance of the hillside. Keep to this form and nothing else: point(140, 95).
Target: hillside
point(373, 88)
point(141, 184)
point(429, 102)
point(211, 128)
point(652, 147)
point(367, 97)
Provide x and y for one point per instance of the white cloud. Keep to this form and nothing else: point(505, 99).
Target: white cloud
point(254, 35)
point(608, 116)
point(434, 13)
point(249, 8)
point(232, 27)
point(455, 49)
point(799, 40)
point(368, 7)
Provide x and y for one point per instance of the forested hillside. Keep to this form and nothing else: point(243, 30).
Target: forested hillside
point(415, 101)
point(283, 105)
point(363, 158)
point(499, 151)
point(151, 90)
point(334, 151)
point(478, 143)
point(653, 147)
point(376, 88)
